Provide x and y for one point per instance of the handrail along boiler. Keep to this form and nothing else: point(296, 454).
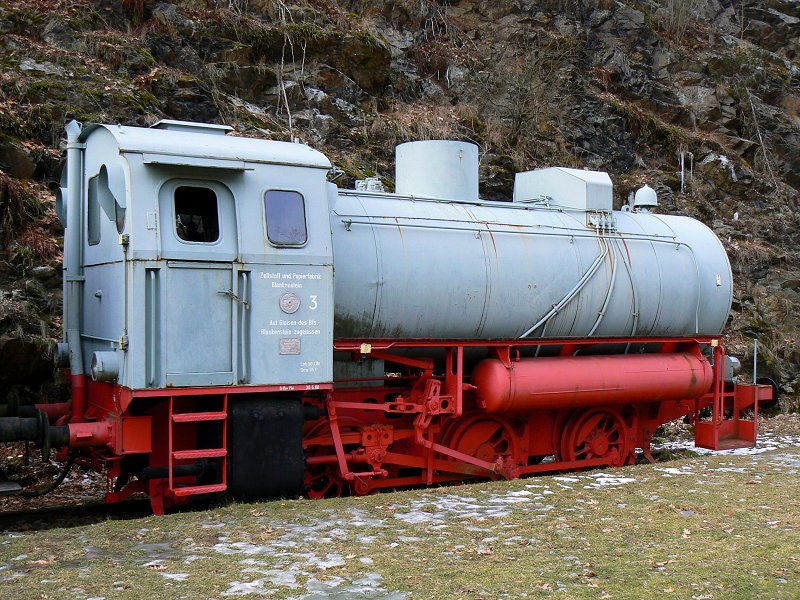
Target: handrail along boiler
point(236, 323)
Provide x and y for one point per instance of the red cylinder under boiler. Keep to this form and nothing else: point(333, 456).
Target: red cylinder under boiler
point(572, 381)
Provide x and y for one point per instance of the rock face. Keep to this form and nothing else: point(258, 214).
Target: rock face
point(699, 99)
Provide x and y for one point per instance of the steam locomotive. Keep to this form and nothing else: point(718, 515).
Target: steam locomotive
point(236, 323)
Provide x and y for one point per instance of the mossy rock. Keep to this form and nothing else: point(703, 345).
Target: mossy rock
point(360, 55)
point(28, 123)
point(288, 42)
point(250, 82)
point(364, 59)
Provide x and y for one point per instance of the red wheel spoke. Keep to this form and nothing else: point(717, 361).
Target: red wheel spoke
point(596, 434)
point(324, 481)
point(483, 436)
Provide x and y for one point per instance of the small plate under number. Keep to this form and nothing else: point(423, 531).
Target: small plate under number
point(289, 346)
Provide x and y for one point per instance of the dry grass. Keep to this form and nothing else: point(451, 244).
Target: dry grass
point(19, 206)
point(747, 252)
point(717, 527)
point(408, 122)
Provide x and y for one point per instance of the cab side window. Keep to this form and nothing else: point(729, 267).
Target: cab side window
point(196, 214)
point(286, 218)
point(93, 213)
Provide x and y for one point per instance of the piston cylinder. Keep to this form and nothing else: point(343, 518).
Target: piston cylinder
point(577, 381)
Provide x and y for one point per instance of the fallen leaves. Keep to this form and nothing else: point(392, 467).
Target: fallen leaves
point(660, 566)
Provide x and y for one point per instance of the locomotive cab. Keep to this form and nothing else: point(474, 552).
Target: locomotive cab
point(199, 255)
point(204, 276)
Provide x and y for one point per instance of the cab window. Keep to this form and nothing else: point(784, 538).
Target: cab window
point(93, 213)
point(286, 218)
point(196, 214)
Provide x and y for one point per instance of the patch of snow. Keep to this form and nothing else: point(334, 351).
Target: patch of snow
point(283, 578)
point(191, 558)
point(330, 561)
point(785, 460)
point(175, 576)
point(366, 539)
point(607, 479)
point(729, 470)
point(358, 518)
point(325, 584)
point(243, 588)
point(670, 471)
point(508, 500)
point(765, 443)
point(240, 548)
point(153, 563)
point(416, 516)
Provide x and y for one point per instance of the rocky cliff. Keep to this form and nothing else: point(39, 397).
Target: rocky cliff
point(700, 99)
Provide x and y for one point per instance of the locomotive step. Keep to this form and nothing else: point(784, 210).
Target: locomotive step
point(194, 454)
point(200, 489)
point(732, 443)
point(199, 416)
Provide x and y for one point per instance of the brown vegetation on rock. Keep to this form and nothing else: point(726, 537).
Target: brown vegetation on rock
point(700, 100)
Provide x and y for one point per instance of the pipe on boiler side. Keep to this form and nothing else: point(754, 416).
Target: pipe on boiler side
point(579, 381)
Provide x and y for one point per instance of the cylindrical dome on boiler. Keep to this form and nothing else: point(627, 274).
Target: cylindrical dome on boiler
point(440, 169)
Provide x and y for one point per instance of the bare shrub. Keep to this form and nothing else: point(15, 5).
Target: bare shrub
point(238, 6)
point(134, 8)
point(524, 98)
point(676, 17)
point(442, 43)
point(763, 158)
point(411, 122)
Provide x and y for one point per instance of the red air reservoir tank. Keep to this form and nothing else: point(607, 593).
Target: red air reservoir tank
point(572, 381)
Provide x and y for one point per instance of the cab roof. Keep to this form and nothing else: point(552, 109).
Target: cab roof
point(206, 141)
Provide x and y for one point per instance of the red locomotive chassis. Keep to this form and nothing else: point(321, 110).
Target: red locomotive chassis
point(521, 407)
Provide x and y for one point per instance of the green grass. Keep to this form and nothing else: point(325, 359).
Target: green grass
point(724, 527)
